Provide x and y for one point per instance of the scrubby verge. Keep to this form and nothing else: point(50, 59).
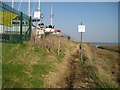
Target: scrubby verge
point(102, 66)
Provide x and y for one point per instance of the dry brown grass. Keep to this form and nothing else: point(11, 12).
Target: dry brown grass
point(105, 64)
point(51, 44)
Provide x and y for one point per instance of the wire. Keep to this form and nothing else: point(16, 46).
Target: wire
point(19, 5)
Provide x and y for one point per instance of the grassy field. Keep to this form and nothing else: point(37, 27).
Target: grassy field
point(24, 66)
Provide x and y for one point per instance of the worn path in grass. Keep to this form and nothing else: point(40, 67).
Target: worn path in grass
point(62, 78)
point(97, 71)
point(70, 74)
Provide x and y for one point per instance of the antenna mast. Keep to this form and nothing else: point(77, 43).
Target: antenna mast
point(38, 5)
point(51, 16)
point(12, 3)
point(28, 7)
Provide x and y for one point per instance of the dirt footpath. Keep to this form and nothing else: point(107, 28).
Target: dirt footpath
point(64, 77)
point(71, 73)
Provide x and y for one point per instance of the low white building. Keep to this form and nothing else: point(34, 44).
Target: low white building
point(15, 29)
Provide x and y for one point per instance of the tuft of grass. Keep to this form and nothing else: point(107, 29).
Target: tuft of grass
point(101, 78)
point(92, 72)
point(105, 79)
point(41, 69)
point(41, 52)
point(60, 58)
point(37, 83)
point(12, 73)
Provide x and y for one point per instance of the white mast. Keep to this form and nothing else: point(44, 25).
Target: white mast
point(28, 7)
point(19, 5)
point(12, 3)
point(51, 16)
point(38, 5)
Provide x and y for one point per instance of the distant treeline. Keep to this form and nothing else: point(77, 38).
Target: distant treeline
point(112, 48)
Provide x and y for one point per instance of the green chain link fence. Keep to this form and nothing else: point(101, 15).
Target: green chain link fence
point(15, 26)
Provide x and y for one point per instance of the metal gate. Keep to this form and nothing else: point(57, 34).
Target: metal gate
point(15, 26)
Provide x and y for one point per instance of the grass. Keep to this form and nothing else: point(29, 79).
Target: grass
point(101, 78)
point(25, 65)
point(60, 58)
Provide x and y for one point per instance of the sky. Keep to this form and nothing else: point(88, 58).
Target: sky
point(100, 18)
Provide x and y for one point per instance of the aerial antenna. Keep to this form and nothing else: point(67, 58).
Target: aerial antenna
point(19, 5)
point(51, 16)
point(12, 3)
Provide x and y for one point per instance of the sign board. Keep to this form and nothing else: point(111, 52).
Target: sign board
point(37, 14)
point(81, 28)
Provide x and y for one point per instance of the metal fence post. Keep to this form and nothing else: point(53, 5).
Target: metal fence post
point(81, 47)
point(21, 16)
point(30, 26)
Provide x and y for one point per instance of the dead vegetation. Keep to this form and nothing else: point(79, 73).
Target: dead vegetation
point(51, 44)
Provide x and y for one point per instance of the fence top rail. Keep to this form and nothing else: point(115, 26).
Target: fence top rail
point(8, 8)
